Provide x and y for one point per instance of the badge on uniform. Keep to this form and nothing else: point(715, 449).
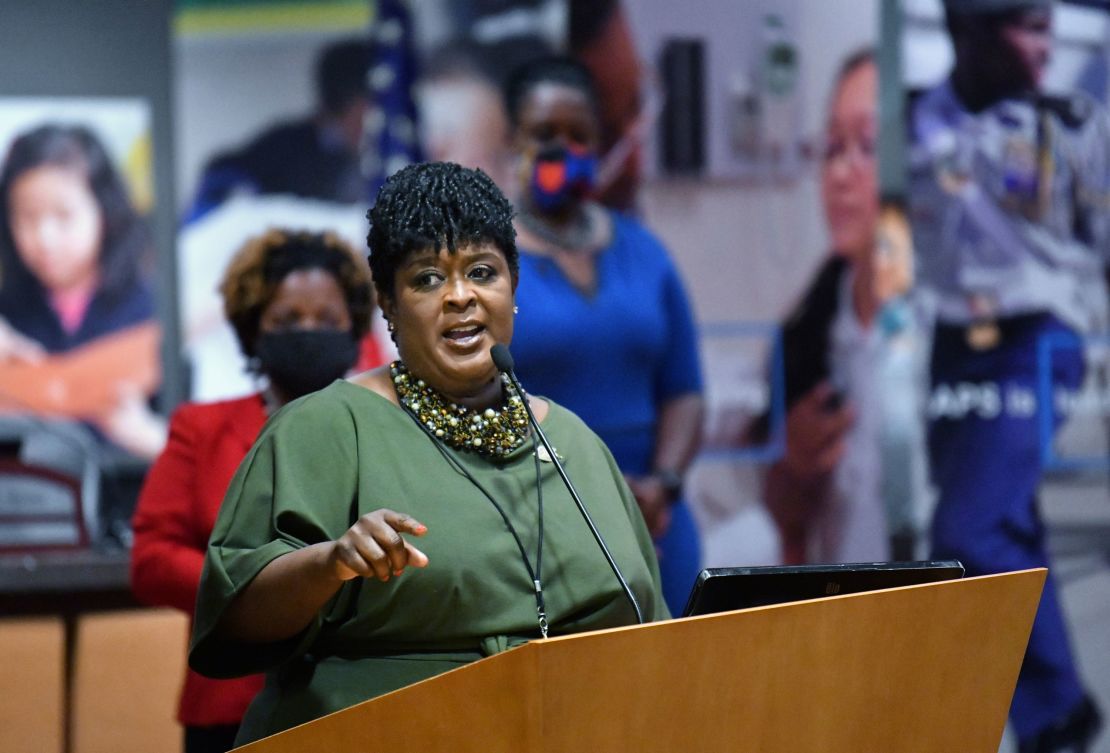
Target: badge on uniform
point(1021, 176)
point(983, 333)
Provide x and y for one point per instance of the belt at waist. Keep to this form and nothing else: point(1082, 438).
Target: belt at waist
point(479, 649)
point(1010, 329)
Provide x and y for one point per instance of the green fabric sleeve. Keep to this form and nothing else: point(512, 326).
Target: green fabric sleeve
point(296, 487)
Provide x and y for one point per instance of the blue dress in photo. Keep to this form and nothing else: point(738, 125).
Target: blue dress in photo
point(614, 356)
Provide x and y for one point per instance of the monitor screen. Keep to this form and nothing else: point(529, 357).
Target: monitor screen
point(726, 588)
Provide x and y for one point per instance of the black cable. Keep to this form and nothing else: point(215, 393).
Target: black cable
point(535, 575)
point(502, 359)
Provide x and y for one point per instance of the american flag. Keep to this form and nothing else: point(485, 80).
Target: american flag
point(390, 131)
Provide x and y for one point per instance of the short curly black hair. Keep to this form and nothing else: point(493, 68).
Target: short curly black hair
point(436, 205)
point(262, 264)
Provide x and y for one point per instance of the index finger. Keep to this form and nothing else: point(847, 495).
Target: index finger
point(404, 523)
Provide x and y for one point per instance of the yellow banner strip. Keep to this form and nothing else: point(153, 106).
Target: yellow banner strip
point(306, 16)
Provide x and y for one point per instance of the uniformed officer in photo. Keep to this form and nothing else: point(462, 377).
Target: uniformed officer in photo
point(1009, 207)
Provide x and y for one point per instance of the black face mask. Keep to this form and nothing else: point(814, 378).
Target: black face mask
point(302, 361)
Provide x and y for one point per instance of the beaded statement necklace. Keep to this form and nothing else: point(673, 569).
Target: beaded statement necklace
point(492, 432)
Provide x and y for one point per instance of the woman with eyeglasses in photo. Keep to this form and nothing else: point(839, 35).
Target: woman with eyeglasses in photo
point(853, 470)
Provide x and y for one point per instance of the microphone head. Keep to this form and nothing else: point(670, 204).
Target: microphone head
point(502, 358)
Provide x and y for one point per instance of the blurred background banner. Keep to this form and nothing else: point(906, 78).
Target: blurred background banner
point(122, 124)
point(78, 267)
point(1077, 69)
point(1079, 55)
point(391, 131)
point(290, 114)
point(268, 16)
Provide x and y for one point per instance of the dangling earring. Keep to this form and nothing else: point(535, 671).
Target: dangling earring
point(390, 325)
point(516, 309)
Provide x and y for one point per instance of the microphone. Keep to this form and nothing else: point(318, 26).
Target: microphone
point(503, 360)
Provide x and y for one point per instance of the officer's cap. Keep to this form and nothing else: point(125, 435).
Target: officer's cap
point(985, 7)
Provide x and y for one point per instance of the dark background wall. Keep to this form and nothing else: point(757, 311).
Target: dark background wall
point(106, 48)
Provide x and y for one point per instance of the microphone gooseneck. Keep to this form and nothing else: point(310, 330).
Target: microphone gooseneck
point(503, 360)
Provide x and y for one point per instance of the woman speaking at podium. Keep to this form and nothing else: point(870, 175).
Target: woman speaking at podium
point(407, 521)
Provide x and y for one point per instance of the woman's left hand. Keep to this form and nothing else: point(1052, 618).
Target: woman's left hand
point(373, 546)
point(654, 502)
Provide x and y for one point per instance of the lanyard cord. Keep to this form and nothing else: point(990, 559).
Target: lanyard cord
point(535, 575)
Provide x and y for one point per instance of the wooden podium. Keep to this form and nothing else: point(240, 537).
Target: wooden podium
point(915, 669)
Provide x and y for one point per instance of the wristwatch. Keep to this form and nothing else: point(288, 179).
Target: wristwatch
point(672, 483)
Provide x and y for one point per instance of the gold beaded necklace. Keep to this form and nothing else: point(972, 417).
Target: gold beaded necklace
point(492, 432)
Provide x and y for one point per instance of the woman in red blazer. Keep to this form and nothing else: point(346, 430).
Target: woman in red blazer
point(299, 303)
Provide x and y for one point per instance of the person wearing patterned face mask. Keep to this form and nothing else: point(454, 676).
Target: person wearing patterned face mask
point(560, 176)
point(604, 326)
point(299, 303)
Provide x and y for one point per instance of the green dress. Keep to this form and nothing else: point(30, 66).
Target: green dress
point(335, 455)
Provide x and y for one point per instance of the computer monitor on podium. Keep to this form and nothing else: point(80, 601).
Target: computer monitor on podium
point(724, 589)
